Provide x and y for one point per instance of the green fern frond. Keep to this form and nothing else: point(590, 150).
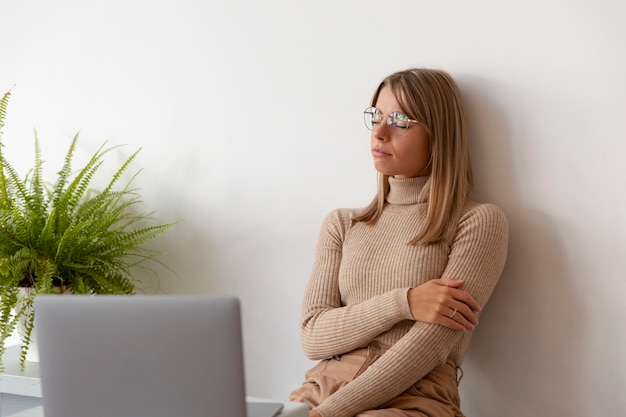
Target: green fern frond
point(64, 173)
point(7, 319)
point(37, 188)
point(4, 104)
point(26, 318)
point(67, 234)
point(123, 168)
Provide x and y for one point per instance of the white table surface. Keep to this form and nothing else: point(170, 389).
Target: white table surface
point(15, 381)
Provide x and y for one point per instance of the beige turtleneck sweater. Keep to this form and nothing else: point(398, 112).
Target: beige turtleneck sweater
point(357, 292)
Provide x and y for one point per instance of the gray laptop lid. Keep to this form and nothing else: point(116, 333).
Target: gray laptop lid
point(140, 356)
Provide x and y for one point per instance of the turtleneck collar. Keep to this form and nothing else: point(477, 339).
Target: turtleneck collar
point(407, 190)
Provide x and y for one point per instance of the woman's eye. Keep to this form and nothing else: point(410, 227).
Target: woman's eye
point(400, 120)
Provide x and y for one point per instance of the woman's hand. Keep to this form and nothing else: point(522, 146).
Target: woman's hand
point(314, 413)
point(440, 301)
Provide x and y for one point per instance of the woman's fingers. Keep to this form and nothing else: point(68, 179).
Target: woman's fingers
point(447, 282)
point(441, 301)
point(462, 315)
point(437, 303)
point(458, 294)
point(449, 319)
point(466, 299)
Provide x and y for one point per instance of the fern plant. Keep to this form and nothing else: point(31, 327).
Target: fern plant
point(65, 237)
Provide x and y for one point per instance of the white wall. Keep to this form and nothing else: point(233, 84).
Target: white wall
point(249, 116)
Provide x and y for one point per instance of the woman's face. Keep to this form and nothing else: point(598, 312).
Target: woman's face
point(402, 156)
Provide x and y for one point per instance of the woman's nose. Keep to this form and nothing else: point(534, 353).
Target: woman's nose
point(382, 131)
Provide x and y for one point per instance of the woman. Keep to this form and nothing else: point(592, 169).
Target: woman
point(397, 287)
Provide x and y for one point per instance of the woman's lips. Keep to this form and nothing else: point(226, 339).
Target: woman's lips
point(379, 152)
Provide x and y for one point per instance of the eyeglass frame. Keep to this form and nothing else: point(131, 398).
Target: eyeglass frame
point(391, 119)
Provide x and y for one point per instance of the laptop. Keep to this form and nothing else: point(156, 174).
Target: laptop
point(143, 356)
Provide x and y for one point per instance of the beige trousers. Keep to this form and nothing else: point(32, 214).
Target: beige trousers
point(435, 395)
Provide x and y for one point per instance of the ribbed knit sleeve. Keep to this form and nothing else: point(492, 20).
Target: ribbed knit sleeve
point(476, 256)
point(329, 327)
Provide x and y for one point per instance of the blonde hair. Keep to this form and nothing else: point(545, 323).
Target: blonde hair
point(433, 98)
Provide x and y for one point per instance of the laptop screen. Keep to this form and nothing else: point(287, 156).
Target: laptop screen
point(140, 356)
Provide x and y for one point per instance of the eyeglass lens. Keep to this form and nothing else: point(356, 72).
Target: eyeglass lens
point(397, 122)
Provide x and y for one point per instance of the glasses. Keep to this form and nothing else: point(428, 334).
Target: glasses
point(396, 121)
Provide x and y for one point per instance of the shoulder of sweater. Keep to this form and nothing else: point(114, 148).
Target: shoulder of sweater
point(339, 220)
point(341, 215)
point(485, 212)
